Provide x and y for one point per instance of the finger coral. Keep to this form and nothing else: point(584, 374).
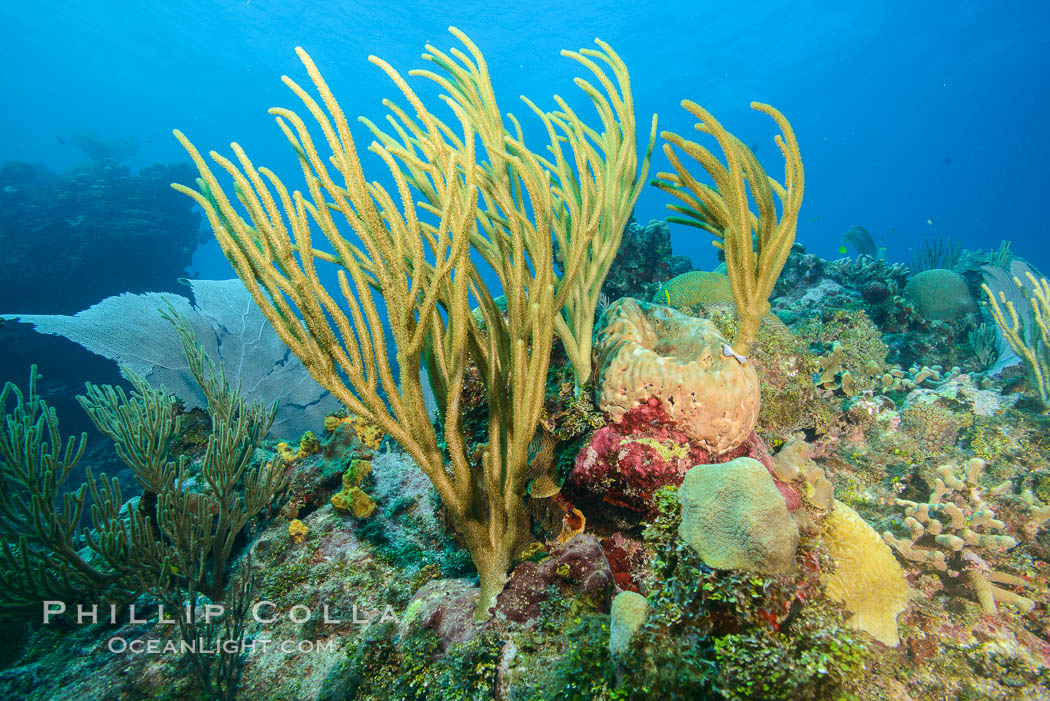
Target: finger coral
point(946, 532)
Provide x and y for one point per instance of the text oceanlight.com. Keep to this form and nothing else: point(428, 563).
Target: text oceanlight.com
point(203, 647)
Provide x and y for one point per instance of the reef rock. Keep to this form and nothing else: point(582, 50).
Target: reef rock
point(445, 606)
point(735, 518)
point(578, 568)
point(647, 351)
point(625, 463)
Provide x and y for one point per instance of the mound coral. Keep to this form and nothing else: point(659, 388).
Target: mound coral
point(646, 351)
point(941, 295)
point(628, 614)
point(735, 517)
point(626, 463)
point(935, 427)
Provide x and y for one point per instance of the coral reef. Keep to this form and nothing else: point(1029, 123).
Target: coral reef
point(487, 516)
point(70, 240)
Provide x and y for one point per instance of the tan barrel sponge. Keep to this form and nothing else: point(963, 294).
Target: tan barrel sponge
point(646, 351)
point(756, 245)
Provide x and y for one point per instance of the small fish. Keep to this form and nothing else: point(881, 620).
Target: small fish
point(842, 250)
point(60, 140)
point(814, 219)
point(930, 222)
point(668, 294)
point(947, 160)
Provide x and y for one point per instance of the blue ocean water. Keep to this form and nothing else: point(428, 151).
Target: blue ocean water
point(915, 120)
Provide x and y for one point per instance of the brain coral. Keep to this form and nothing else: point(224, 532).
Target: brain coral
point(648, 351)
point(735, 518)
point(709, 291)
point(867, 579)
point(941, 295)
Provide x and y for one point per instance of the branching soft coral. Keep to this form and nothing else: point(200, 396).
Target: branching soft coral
point(426, 267)
point(756, 245)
